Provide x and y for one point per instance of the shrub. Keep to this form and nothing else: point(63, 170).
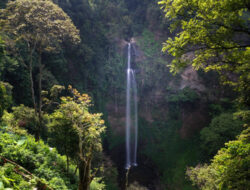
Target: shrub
point(38, 158)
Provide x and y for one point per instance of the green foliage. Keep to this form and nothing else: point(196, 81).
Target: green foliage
point(203, 176)
point(214, 31)
point(5, 97)
point(212, 35)
point(221, 129)
point(110, 174)
point(34, 23)
point(182, 96)
point(136, 186)
point(150, 47)
point(73, 119)
point(40, 26)
point(162, 143)
point(112, 69)
point(1, 53)
point(229, 168)
point(22, 116)
point(169, 152)
point(51, 98)
point(62, 134)
point(96, 68)
point(36, 157)
point(97, 184)
point(244, 115)
point(153, 72)
point(7, 63)
point(11, 179)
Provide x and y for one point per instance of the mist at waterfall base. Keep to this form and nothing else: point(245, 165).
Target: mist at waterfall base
point(131, 115)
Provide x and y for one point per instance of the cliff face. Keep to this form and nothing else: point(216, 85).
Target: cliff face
point(190, 78)
point(156, 104)
point(153, 79)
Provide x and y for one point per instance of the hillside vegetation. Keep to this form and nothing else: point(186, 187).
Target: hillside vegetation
point(63, 94)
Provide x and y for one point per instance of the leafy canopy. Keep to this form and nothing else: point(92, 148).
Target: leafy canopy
point(39, 163)
point(229, 168)
point(82, 129)
point(40, 23)
point(221, 129)
point(73, 112)
point(214, 35)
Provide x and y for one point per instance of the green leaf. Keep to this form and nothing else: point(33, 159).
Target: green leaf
point(21, 141)
point(1, 185)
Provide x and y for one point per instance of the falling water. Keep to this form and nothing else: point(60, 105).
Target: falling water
point(128, 110)
point(131, 114)
point(134, 86)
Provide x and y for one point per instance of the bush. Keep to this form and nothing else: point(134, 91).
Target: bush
point(221, 129)
point(185, 95)
point(38, 158)
point(5, 97)
point(24, 117)
point(9, 178)
point(97, 184)
point(229, 168)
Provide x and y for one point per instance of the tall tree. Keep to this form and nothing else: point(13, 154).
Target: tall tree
point(216, 35)
point(73, 118)
point(229, 169)
point(42, 26)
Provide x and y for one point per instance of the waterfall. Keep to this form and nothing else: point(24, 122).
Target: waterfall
point(128, 110)
point(134, 86)
point(131, 115)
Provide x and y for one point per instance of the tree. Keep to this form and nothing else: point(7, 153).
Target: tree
point(73, 118)
point(23, 117)
point(5, 97)
point(216, 34)
point(6, 62)
point(229, 168)
point(1, 49)
point(41, 26)
point(222, 128)
point(34, 165)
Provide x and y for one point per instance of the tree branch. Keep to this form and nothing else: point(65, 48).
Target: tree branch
point(216, 48)
point(22, 174)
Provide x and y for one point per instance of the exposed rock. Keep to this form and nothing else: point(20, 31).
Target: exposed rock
point(191, 79)
point(121, 43)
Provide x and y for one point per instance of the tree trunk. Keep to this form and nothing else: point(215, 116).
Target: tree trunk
point(84, 175)
point(32, 91)
point(126, 179)
point(76, 169)
point(40, 94)
point(32, 86)
point(31, 82)
point(31, 50)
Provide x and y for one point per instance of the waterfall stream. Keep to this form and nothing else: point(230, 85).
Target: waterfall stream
point(131, 115)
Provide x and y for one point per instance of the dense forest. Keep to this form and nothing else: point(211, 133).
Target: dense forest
point(64, 94)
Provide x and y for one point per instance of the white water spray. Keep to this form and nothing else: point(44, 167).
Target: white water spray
point(131, 115)
point(135, 118)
